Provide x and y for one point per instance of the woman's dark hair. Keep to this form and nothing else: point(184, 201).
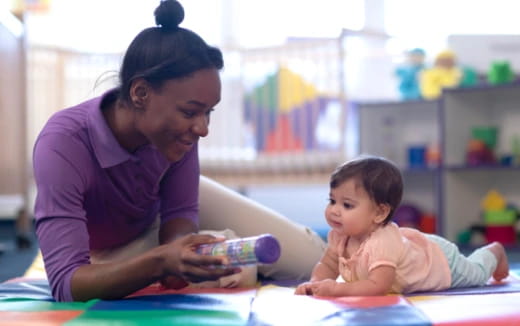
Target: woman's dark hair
point(380, 178)
point(167, 51)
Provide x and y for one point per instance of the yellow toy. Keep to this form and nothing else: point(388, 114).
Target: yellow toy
point(493, 201)
point(499, 219)
point(444, 73)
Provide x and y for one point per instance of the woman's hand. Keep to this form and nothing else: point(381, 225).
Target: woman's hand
point(182, 264)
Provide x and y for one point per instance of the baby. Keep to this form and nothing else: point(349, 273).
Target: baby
point(373, 256)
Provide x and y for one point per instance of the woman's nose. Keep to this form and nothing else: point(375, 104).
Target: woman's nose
point(201, 126)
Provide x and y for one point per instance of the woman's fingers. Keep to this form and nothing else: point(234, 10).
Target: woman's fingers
point(195, 267)
point(194, 240)
point(199, 239)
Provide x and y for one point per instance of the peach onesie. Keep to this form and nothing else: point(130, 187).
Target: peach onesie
point(420, 263)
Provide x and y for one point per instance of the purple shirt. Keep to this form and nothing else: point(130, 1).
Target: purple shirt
point(93, 194)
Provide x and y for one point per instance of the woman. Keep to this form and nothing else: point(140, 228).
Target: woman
point(117, 177)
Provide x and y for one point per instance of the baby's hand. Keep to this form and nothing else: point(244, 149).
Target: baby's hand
point(323, 288)
point(304, 289)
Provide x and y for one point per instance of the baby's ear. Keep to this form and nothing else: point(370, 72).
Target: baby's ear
point(382, 213)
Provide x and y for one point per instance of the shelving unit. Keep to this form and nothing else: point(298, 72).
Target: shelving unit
point(452, 190)
point(465, 186)
point(388, 128)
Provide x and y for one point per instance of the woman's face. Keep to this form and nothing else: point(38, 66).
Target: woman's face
point(178, 114)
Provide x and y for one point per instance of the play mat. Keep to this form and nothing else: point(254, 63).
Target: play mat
point(27, 301)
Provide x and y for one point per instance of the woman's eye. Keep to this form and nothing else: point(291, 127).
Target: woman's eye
point(188, 114)
point(208, 113)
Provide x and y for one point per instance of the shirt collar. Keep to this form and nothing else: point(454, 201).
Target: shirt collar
point(107, 149)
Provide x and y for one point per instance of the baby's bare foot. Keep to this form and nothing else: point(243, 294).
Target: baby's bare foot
point(502, 270)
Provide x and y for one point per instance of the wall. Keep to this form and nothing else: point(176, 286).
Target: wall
point(13, 164)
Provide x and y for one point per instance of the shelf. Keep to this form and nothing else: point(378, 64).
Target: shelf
point(453, 190)
point(421, 170)
point(482, 88)
point(490, 168)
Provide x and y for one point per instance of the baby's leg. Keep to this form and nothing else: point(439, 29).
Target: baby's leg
point(502, 270)
point(477, 268)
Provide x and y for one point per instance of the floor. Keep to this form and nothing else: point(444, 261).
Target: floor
point(14, 261)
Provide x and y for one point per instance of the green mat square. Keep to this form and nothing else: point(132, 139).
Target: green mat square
point(34, 305)
point(158, 318)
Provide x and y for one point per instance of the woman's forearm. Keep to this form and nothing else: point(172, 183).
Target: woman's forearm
point(174, 228)
point(118, 279)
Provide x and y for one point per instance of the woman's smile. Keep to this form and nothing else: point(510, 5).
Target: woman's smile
point(185, 145)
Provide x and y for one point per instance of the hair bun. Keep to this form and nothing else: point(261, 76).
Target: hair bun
point(169, 14)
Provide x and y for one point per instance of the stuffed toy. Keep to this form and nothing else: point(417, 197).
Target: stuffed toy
point(445, 73)
point(408, 74)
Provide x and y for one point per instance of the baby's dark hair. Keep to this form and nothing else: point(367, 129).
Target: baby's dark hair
point(165, 52)
point(380, 178)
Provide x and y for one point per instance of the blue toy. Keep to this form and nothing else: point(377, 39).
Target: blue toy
point(408, 75)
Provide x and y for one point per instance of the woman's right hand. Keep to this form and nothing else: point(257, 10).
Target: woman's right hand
point(182, 261)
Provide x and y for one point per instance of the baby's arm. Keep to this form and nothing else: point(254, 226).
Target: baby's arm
point(326, 268)
point(379, 282)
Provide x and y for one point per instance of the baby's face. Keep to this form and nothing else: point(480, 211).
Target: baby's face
point(351, 211)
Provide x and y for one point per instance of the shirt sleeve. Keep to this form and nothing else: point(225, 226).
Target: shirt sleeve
point(180, 189)
point(60, 218)
point(385, 249)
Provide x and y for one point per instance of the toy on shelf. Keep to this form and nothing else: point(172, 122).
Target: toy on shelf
point(499, 219)
point(445, 73)
point(409, 215)
point(261, 249)
point(417, 156)
point(469, 77)
point(433, 155)
point(423, 156)
point(428, 223)
point(408, 74)
point(481, 147)
point(474, 236)
point(500, 72)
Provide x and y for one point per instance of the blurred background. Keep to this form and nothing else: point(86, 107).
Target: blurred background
point(300, 78)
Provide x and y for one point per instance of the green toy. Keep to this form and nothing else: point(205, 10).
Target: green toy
point(500, 72)
point(469, 77)
point(487, 134)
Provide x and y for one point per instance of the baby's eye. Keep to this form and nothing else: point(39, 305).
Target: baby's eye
point(347, 205)
point(331, 201)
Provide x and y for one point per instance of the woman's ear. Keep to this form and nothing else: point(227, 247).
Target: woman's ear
point(382, 213)
point(139, 93)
